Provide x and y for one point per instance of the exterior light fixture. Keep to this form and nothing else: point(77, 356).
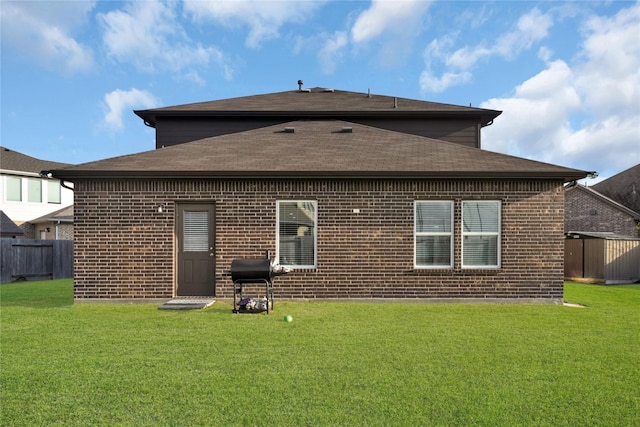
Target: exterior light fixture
point(161, 208)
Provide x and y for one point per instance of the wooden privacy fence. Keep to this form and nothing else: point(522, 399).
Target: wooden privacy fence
point(29, 259)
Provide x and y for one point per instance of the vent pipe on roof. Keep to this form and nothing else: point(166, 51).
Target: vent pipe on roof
point(395, 102)
point(300, 83)
point(369, 93)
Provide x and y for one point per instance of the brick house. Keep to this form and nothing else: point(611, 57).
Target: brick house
point(602, 225)
point(57, 225)
point(364, 196)
point(588, 210)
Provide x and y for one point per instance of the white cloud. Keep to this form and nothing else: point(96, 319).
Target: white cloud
point(331, 51)
point(119, 100)
point(264, 18)
point(395, 17)
point(531, 28)
point(609, 75)
point(536, 118)
point(600, 95)
point(44, 31)
point(432, 83)
point(393, 25)
point(149, 36)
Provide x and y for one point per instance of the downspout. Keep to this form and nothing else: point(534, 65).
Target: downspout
point(480, 126)
point(57, 234)
point(49, 175)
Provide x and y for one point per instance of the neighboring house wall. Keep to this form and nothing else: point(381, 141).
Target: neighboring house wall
point(38, 196)
point(29, 230)
point(124, 247)
point(53, 231)
point(586, 212)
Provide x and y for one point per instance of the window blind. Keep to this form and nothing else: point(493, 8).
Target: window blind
point(481, 233)
point(433, 233)
point(297, 233)
point(196, 231)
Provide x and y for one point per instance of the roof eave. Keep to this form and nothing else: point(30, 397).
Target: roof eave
point(71, 175)
point(150, 116)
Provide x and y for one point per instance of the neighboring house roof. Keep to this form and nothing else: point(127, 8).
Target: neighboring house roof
point(12, 161)
point(624, 188)
point(61, 215)
point(8, 227)
point(605, 199)
point(599, 235)
point(319, 149)
point(318, 102)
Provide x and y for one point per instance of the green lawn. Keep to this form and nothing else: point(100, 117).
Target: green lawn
point(336, 364)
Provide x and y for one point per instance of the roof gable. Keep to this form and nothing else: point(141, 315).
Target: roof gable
point(319, 148)
point(597, 195)
point(318, 101)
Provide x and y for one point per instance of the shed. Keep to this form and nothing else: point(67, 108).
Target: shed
point(601, 257)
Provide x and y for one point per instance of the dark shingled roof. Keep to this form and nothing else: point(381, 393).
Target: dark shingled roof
point(319, 149)
point(318, 102)
point(14, 161)
point(8, 228)
point(624, 188)
point(62, 215)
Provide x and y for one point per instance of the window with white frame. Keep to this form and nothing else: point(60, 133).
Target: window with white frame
point(54, 191)
point(34, 190)
point(296, 233)
point(14, 188)
point(481, 234)
point(433, 240)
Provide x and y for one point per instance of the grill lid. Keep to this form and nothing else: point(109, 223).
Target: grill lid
point(256, 270)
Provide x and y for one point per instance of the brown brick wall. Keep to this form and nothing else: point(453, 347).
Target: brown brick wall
point(124, 247)
point(586, 212)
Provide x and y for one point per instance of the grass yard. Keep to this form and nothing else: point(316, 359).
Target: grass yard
point(336, 364)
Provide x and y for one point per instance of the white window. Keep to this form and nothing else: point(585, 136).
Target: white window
point(53, 192)
point(481, 234)
point(34, 190)
point(14, 189)
point(433, 245)
point(296, 233)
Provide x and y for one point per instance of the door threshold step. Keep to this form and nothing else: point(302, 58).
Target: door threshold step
point(187, 304)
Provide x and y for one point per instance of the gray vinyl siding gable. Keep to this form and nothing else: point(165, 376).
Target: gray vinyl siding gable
point(178, 130)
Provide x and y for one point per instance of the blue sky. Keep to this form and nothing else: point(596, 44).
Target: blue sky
point(565, 74)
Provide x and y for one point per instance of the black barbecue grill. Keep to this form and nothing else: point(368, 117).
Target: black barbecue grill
point(254, 271)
